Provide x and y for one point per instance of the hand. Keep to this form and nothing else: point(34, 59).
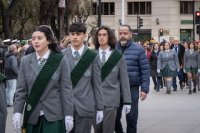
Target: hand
point(127, 109)
point(158, 70)
point(17, 122)
point(143, 95)
point(99, 117)
point(178, 70)
point(69, 123)
point(184, 70)
point(198, 70)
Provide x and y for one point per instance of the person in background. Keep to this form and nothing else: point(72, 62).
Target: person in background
point(86, 80)
point(3, 110)
point(179, 49)
point(191, 66)
point(168, 65)
point(138, 72)
point(44, 88)
point(153, 65)
point(11, 72)
point(198, 51)
point(114, 78)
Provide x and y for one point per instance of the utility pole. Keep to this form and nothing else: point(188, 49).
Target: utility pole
point(99, 12)
point(193, 20)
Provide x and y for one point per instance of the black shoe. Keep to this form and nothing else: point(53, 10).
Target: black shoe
point(168, 91)
point(181, 87)
point(190, 92)
point(194, 90)
point(175, 89)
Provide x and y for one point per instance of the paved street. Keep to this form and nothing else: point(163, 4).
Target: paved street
point(161, 113)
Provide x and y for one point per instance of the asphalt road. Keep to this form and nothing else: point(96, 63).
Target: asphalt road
point(161, 113)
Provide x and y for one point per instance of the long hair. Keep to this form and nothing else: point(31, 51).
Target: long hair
point(111, 37)
point(50, 37)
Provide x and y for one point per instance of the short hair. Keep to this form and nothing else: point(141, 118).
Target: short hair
point(126, 25)
point(111, 37)
point(77, 27)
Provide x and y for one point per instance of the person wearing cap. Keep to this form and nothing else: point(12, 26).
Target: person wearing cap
point(11, 72)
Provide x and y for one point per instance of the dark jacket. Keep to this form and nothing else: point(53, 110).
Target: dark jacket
point(153, 63)
point(11, 66)
point(181, 51)
point(137, 65)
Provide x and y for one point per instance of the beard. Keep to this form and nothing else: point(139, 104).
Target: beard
point(123, 42)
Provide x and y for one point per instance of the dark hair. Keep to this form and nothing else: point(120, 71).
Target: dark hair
point(190, 44)
point(50, 37)
point(128, 26)
point(77, 27)
point(111, 37)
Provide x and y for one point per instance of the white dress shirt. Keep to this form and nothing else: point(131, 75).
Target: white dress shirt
point(108, 53)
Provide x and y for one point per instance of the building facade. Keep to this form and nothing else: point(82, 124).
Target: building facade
point(174, 17)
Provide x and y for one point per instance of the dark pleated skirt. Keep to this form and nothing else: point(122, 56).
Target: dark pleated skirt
point(43, 126)
point(167, 72)
point(192, 70)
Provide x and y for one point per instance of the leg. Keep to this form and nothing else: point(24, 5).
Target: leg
point(118, 124)
point(174, 84)
point(109, 120)
point(194, 82)
point(132, 117)
point(154, 82)
point(82, 124)
point(158, 83)
point(189, 75)
point(181, 78)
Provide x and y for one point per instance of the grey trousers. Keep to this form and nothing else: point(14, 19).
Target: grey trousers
point(82, 124)
point(108, 124)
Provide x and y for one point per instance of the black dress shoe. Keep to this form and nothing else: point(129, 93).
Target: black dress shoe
point(175, 89)
point(194, 90)
point(190, 92)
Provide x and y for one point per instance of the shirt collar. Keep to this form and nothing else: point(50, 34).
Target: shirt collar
point(45, 56)
point(106, 50)
point(80, 50)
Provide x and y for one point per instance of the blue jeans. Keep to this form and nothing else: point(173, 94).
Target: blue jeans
point(11, 85)
point(132, 117)
point(180, 77)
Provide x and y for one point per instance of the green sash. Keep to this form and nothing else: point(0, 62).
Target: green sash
point(82, 66)
point(2, 77)
point(110, 64)
point(40, 84)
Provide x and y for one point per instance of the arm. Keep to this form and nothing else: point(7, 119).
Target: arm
point(124, 82)
point(66, 88)
point(22, 89)
point(96, 82)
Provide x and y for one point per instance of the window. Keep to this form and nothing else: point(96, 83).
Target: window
point(186, 7)
point(107, 8)
point(139, 8)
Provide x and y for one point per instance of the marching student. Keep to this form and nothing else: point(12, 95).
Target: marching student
point(114, 78)
point(86, 80)
point(45, 86)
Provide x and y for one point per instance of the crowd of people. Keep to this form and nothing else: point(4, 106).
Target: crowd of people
point(70, 85)
point(172, 59)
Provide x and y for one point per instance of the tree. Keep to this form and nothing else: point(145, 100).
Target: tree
point(6, 8)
